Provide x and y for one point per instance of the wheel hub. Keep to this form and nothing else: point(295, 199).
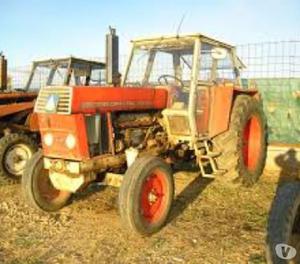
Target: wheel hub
point(152, 197)
point(16, 158)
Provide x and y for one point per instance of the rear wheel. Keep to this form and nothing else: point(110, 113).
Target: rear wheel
point(284, 223)
point(38, 189)
point(15, 151)
point(146, 195)
point(244, 146)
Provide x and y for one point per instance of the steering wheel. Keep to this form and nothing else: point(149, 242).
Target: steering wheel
point(166, 82)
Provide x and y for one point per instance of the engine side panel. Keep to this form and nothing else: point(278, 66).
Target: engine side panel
point(109, 99)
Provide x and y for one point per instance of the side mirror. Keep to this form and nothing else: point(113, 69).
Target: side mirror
point(219, 53)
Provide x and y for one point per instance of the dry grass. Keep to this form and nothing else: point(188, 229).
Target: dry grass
point(209, 223)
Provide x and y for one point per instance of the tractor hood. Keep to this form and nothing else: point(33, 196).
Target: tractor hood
point(92, 99)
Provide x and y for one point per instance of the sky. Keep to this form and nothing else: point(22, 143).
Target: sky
point(33, 29)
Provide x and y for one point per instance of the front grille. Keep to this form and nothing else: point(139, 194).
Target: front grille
point(65, 99)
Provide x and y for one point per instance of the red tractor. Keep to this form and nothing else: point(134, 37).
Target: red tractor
point(180, 100)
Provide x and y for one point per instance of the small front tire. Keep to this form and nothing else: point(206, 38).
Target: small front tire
point(146, 195)
point(37, 188)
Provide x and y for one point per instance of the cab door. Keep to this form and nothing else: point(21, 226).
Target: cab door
point(202, 109)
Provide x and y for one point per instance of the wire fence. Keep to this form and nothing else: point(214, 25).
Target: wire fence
point(18, 76)
point(274, 67)
point(279, 59)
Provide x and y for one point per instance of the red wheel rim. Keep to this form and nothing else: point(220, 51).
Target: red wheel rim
point(252, 137)
point(153, 196)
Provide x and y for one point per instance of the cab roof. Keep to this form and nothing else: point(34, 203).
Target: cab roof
point(188, 38)
point(63, 62)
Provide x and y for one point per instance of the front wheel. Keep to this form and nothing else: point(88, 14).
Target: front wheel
point(37, 188)
point(146, 195)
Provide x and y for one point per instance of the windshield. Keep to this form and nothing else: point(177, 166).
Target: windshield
point(170, 63)
point(161, 64)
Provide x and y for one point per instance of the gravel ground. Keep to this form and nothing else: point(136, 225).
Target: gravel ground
point(210, 223)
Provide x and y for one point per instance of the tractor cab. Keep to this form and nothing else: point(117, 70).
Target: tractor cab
point(65, 71)
point(187, 66)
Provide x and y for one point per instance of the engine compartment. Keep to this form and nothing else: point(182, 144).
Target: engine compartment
point(142, 131)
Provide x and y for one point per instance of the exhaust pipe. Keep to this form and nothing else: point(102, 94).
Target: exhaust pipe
point(112, 58)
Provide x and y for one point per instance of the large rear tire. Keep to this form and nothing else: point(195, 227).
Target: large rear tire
point(146, 195)
point(244, 146)
point(284, 223)
point(15, 151)
point(37, 188)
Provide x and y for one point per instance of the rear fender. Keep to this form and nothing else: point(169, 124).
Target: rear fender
point(221, 103)
point(251, 92)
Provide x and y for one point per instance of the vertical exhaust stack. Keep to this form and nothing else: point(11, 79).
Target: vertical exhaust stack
point(112, 58)
point(3, 72)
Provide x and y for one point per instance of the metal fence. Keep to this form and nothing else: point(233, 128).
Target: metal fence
point(18, 76)
point(279, 59)
point(273, 66)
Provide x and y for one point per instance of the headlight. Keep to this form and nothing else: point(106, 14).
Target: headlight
point(48, 139)
point(70, 141)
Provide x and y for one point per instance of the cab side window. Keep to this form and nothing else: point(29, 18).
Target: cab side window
point(225, 69)
point(206, 62)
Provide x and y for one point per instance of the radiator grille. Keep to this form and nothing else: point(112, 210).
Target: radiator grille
point(65, 99)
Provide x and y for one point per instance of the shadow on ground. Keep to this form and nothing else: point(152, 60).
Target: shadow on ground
point(289, 166)
point(88, 191)
point(187, 196)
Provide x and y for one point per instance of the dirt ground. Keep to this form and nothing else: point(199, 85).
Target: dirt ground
point(210, 223)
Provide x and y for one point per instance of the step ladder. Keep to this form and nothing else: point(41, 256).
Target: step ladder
point(209, 156)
